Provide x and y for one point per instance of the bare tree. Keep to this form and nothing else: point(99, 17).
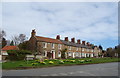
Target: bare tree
point(2, 34)
point(19, 39)
point(22, 38)
point(3, 41)
point(16, 39)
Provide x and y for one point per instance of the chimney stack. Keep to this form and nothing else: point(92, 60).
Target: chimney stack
point(88, 44)
point(58, 37)
point(66, 38)
point(78, 41)
point(33, 33)
point(83, 42)
point(73, 40)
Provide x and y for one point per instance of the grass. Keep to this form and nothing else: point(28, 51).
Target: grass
point(55, 62)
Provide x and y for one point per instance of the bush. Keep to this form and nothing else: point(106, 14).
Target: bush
point(43, 63)
point(14, 55)
point(51, 62)
point(34, 64)
point(72, 61)
point(61, 62)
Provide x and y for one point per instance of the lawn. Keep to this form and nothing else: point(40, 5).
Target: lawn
point(54, 62)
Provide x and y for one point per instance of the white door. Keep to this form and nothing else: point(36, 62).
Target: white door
point(73, 55)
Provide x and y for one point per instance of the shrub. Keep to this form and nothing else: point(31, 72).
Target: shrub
point(89, 60)
point(20, 65)
point(66, 60)
point(61, 62)
point(73, 61)
point(81, 61)
point(55, 59)
point(37, 61)
point(43, 62)
point(63, 53)
point(34, 64)
point(45, 59)
point(51, 62)
point(86, 60)
point(17, 54)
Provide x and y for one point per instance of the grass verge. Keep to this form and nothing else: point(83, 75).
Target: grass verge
point(55, 62)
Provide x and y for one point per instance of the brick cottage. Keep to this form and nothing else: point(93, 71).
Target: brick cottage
point(52, 48)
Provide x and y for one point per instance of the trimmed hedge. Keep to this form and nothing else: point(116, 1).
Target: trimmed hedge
point(17, 54)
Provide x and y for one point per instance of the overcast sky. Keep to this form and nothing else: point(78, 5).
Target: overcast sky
point(93, 22)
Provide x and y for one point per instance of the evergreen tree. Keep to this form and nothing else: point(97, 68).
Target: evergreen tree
point(100, 47)
point(4, 42)
point(12, 43)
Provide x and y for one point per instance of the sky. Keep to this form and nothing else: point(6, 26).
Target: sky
point(94, 22)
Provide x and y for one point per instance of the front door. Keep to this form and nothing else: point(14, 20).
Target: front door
point(53, 54)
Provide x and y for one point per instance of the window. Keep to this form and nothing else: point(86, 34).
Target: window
point(69, 54)
point(83, 49)
point(77, 49)
point(77, 54)
point(53, 45)
point(45, 45)
point(69, 47)
point(59, 54)
point(91, 50)
point(82, 54)
point(59, 46)
point(45, 53)
point(87, 50)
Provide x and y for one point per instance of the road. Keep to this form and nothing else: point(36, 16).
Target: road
point(105, 69)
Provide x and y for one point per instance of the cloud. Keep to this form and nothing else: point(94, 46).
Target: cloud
point(87, 21)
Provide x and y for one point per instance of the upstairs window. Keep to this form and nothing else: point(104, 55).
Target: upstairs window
point(83, 49)
point(77, 54)
point(91, 50)
point(87, 50)
point(59, 46)
point(69, 54)
point(53, 45)
point(77, 49)
point(69, 47)
point(45, 45)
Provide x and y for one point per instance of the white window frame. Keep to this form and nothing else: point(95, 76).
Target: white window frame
point(77, 49)
point(87, 50)
point(83, 54)
point(53, 45)
point(69, 47)
point(91, 50)
point(76, 54)
point(45, 53)
point(59, 46)
point(45, 45)
point(69, 54)
point(83, 49)
point(59, 54)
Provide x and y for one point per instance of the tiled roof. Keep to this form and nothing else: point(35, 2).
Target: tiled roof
point(51, 40)
point(45, 39)
point(74, 44)
point(10, 48)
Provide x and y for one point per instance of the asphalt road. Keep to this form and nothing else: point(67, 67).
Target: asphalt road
point(106, 69)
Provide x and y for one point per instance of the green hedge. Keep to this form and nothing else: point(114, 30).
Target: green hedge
point(17, 54)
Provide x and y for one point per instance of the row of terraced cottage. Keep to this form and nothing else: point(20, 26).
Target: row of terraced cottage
point(52, 48)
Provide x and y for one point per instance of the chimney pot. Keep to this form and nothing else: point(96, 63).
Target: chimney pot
point(83, 42)
point(58, 37)
point(33, 33)
point(88, 44)
point(73, 40)
point(66, 38)
point(78, 41)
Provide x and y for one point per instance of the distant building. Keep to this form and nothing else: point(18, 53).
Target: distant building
point(52, 48)
point(5, 49)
